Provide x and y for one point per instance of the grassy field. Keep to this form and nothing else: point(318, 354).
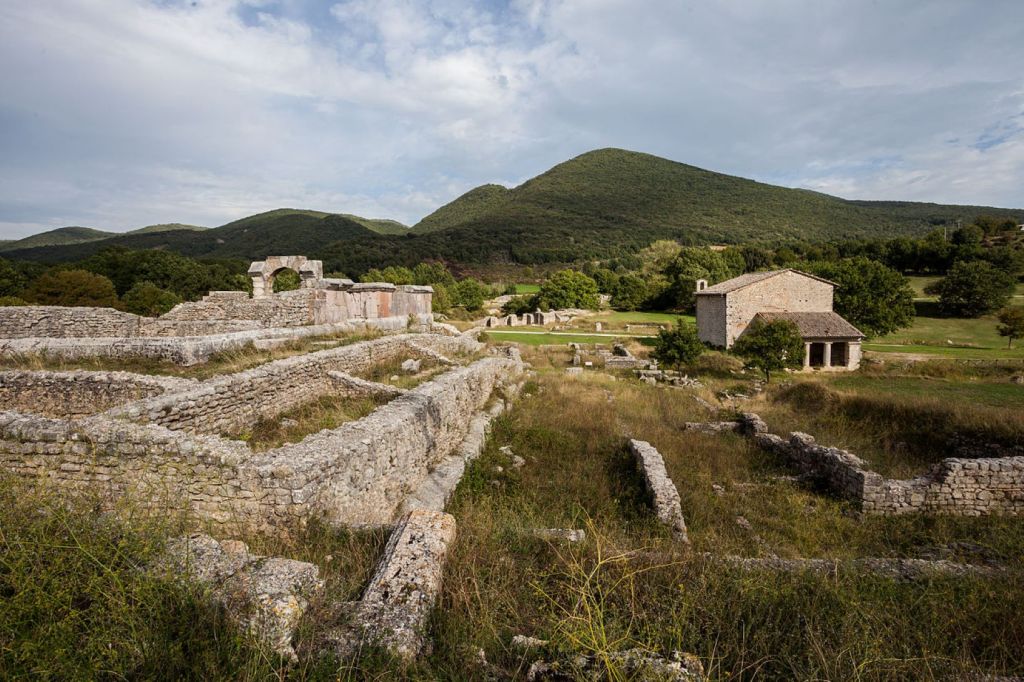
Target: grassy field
point(74, 604)
point(541, 338)
point(949, 337)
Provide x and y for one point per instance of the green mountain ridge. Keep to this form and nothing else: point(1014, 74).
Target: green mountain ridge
point(601, 204)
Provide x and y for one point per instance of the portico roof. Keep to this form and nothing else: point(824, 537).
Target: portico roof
point(830, 325)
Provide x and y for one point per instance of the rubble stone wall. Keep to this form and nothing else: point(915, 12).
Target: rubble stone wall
point(233, 402)
point(356, 474)
point(79, 393)
point(19, 322)
point(965, 487)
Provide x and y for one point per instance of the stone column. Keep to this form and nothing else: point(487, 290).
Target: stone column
point(827, 360)
point(807, 355)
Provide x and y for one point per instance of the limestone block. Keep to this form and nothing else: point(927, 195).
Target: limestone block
point(663, 492)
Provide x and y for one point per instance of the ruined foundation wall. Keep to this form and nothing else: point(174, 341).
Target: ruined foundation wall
point(79, 393)
point(19, 322)
point(228, 404)
point(356, 474)
point(361, 472)
point(965, 487)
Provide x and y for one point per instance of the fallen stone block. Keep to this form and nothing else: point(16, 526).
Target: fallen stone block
point(659, 485)
point(402, 592)
point(712, 427)
point(266, 595)
point(560, 534)
point(411, 366)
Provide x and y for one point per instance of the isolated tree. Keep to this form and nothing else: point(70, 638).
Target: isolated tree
point(146, 298)
point(73, 288)
point(568, 289)
point(771, 346)
point(973, 289)
point(1011, 324)
point(874, 298)
point(679, 345)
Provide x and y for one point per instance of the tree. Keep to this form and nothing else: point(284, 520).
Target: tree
point(678, 345)
point(146, 298)
point(468, 293)
point(875, 299)
point(12, 280)
point(771, 346)
point(74, 288)
point(568, 289)
point(517, 305)
point(973, 289)
point(1011, 324)
point(432, 273)
point(630, 293)
point(691, 264)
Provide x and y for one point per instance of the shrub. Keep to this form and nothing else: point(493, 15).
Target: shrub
point(771, 346)
point(12, 300)
point(73, 288)
point(468, 293)
point(678, 345)
point(519, 305)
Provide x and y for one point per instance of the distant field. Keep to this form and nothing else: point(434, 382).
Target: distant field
point(994, 394)
point(527, 288)
point(637, 317)
point(919, 283)
point(946, 337)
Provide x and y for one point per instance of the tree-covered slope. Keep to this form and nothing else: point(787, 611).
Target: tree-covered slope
point(60, 236)
point(618, 189)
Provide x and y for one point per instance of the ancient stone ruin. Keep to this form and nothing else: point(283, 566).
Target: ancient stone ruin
point(223, 320)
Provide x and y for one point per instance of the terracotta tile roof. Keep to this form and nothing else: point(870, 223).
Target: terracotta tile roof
point(829, 325)
point(752, 278)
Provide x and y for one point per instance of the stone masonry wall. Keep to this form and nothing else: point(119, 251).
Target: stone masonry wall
point(79, 393)
point(358, 473)
point(19, 322)
point(965, 487)
point(236, 401)
point(787, 292)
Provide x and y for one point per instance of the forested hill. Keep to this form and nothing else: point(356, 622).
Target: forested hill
point(601, 204)
point(622, 189)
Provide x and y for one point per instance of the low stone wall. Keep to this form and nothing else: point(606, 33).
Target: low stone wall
point(185, 351)
point(19, 322)
point(965, 487)
point(663, 492)
point(80, 393)
point(357, 474)
point(236, 401)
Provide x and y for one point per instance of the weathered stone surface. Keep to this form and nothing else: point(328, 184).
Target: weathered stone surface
point(350, 386)
point(571, 535)
point(712, 427)
point(79, 393)
point(633, 663)
point(394, 609)
point(969, 487)
point(897, 569)
point(266, 595)
point(663, 492)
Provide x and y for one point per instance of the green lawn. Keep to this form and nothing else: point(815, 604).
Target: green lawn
point(919, 283)
point(537, 339)
point(640, 317)
point(992, 393)
point(527, 288)
point(948, 337)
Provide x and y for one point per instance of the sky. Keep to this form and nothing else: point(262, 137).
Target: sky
point(116, 114)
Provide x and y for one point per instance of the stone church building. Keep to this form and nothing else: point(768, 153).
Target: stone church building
point(725, 310)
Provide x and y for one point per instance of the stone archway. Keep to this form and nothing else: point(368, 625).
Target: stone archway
point(262, 273)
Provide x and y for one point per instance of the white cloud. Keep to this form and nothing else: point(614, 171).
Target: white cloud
point(118, 113)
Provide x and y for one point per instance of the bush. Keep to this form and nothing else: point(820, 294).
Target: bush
point(73, 288)
point(287, 280)
point(146, 298)
point(468, 293)
point(973, 289)
point(678, 345)
point(519, 305)
point(771, 346)
point(12, 300)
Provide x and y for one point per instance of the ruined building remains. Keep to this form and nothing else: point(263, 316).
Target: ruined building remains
point(727, 309)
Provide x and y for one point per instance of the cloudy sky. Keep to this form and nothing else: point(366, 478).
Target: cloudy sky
point(121, 113)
